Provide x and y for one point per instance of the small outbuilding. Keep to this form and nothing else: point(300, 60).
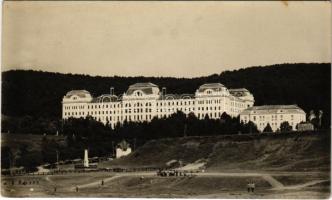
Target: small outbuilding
point(123, 149)
point(305, 126)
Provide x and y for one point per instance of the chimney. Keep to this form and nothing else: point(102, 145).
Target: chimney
point(112, 90)
point(163, 91)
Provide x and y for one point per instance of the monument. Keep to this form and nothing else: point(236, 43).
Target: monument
point(86, 158)
point(86, 165)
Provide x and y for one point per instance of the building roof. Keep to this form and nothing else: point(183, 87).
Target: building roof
point(272, 109)
point(123, 145)
point(105, 98)
point(239, 92)
point(213, 86)
point(80, 93)
point(177, 96)
point(144, 87)
point(140, 85)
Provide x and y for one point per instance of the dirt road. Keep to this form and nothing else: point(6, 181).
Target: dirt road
point(275, 184)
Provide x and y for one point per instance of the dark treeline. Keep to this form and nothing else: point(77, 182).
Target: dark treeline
point(39, 94)
point(101, 139)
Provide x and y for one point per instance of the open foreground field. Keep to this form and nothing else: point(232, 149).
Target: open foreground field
point(148, 184)
point(281, 166)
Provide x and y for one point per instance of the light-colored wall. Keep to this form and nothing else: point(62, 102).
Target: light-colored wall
point(150, 106)
point(261, 120)
point(121, 153)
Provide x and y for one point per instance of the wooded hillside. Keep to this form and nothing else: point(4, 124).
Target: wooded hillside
point(39, 94)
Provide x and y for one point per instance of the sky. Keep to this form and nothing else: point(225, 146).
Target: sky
point(151, 38)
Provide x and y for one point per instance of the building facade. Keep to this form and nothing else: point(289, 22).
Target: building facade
point(274, 115)
point(144, 101)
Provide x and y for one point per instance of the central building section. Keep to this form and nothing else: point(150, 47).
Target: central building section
point(144, 101)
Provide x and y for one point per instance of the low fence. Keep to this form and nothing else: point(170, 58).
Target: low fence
point(78, 171)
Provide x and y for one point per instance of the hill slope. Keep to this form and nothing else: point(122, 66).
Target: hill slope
point(291, 152)
point(39, 94)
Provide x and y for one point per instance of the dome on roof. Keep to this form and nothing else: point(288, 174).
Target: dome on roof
point(80, 93)
point(139, 85)
point(140, 89)
point(77, 95)
point(211, 86)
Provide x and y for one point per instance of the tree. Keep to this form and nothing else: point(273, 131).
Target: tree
point(6, 157)
point(249, 127)
point(267, 128)
point(285, 127)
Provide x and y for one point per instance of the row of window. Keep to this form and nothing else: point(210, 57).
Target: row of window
point(74, 107)
point(240, 105)
point(138, 110)
point(175, 103)
point(210, 101)
point(149, 110)
point(273, 117)
point(119, 105)
point(211, 115)
point(122, 118)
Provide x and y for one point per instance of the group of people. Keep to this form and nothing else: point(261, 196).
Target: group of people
point(23, 182)
point(173, 173)
point(251, 186)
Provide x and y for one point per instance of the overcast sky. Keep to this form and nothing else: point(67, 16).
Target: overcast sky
point(182, 39)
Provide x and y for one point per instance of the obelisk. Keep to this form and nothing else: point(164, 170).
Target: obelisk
point(86, 158)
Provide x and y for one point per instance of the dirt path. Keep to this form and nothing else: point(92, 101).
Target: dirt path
point(116, 176)
point(299, 186)
point(269, 178)
point(275, 184)
point(95, 183)
point(272, 181)
point(47, 178)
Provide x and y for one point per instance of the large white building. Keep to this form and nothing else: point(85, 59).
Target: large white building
point(144, 101)
point(274, 115)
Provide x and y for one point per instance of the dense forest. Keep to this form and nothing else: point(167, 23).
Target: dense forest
point(38, 95)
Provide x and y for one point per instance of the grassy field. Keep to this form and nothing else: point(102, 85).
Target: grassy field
point(282, 166)
point(132, 185)
point(280, 152)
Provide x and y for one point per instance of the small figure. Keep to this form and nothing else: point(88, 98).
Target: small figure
point(76, 189)
point(248, 187)
point(253, 187)
point(102, 182)
point(54, 188)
